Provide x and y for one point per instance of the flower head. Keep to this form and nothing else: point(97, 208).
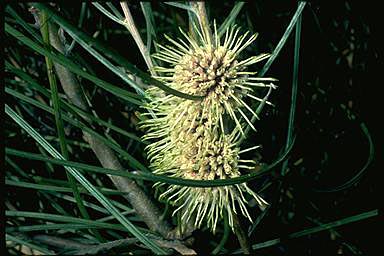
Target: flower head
point(200, 139)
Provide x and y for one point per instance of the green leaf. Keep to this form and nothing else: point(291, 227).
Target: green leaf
point(63, 60)
point(61, 218)
point(74, 223)
point(231, 18)
point(32, 83)
point(52, 202)
point(114, 10)
point(150, 23)
point(224, 239)
point(135, 163)
point(258, 220)
point(108, 14)
point(360, 173)
point(283, 39)
point(84, 39)
point(313, 230)
point(66, 226)
point(68, 48)
point(57, 114)
point(70, 142)
point(83, 181)
point(181, 6)
point(57, 188)
point(87, 204)
point(24, 24)
point(295, 81)
point(154, 177)
point(17, 240)
point(16, 167)
point(274, 55)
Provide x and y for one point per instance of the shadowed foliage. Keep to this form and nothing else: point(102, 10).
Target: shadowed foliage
point(77, 175)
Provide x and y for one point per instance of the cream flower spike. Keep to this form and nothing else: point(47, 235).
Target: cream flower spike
point(199, 140)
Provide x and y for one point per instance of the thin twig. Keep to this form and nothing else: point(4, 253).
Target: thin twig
point(203, 18)
point(241, 235)
point(59, 242)
point(82, 249)
point(130, 25)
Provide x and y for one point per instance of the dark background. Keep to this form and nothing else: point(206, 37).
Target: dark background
point(339, 64)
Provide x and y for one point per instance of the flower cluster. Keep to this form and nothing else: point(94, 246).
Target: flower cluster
point(199, 140)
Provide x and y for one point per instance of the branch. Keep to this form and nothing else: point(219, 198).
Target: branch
point(203, 18)
point(241, 235)
point(144, 207)
point(83, 249)
point(68, 80)
point(130, 25)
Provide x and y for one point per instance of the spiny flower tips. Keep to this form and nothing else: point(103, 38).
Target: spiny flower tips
point(200, 139)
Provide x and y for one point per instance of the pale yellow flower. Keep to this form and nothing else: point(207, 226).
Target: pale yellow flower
point(199, 139)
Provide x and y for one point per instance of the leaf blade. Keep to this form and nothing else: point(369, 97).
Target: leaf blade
point(83, 181)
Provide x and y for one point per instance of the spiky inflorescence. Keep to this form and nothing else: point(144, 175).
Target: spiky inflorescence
point(199, 139)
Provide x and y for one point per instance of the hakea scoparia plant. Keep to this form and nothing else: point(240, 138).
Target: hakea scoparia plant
point(199, 140)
